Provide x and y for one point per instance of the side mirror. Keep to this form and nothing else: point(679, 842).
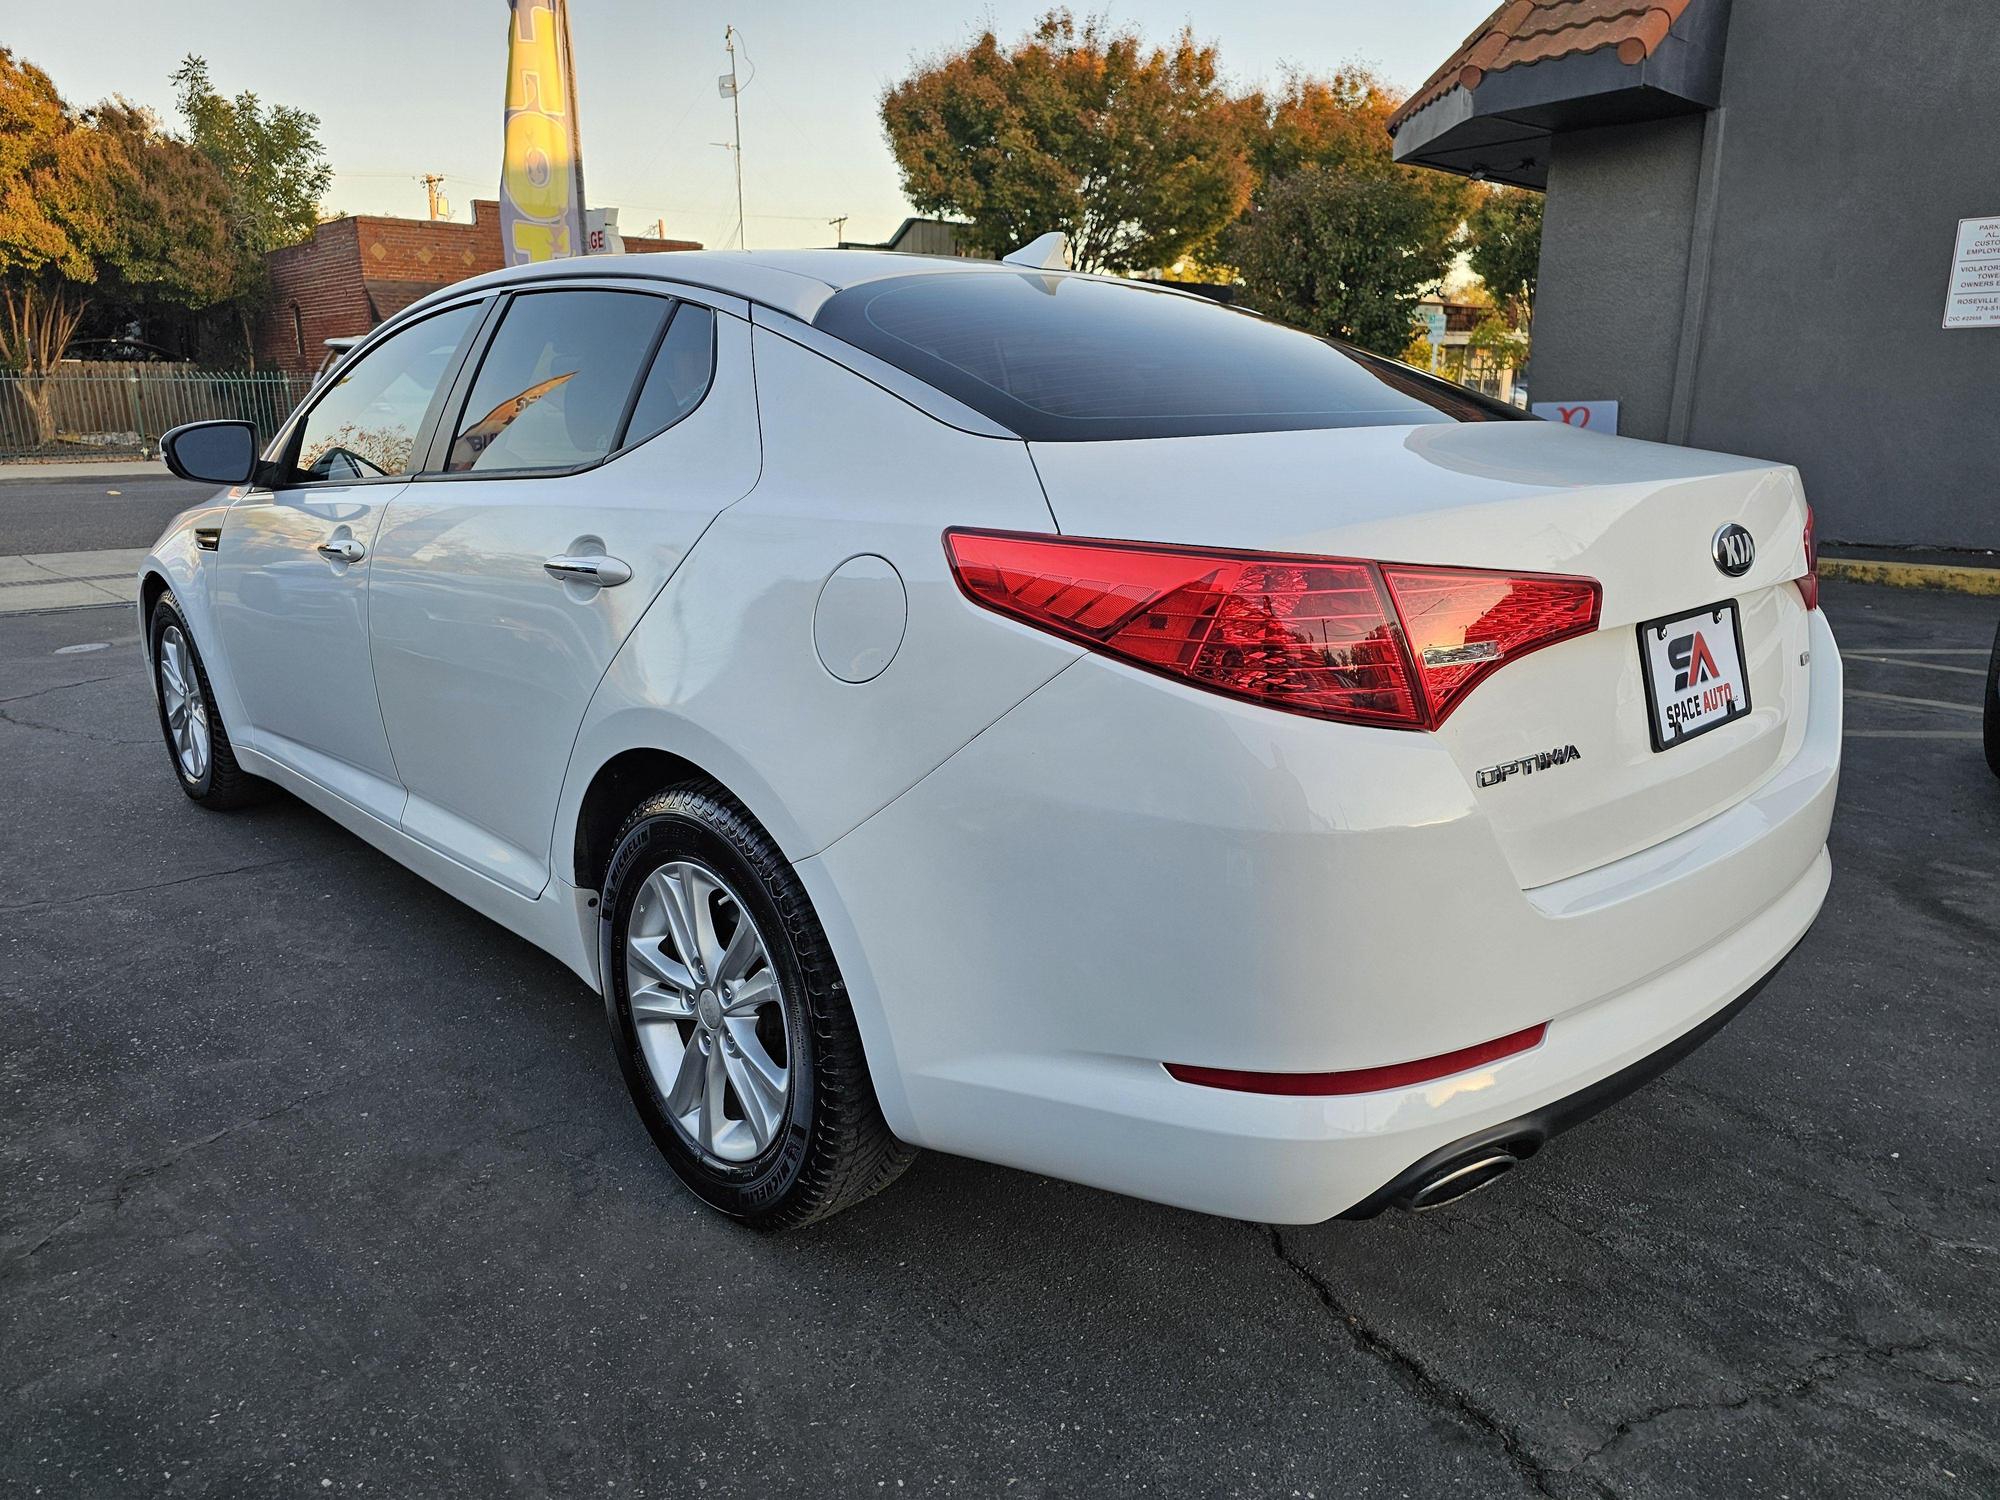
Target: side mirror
point(212, 452)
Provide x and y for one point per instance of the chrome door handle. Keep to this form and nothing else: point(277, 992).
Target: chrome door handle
point(342, 549)
point(601, 572)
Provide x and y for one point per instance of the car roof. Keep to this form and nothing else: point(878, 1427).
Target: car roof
point(797, 282)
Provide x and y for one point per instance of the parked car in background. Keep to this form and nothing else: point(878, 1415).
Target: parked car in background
point(119, 351)
point(1049, 719)
point(336, 350)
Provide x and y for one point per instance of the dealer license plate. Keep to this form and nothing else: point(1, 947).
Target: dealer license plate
point(1695, 677)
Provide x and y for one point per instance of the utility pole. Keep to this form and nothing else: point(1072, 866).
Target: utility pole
point(432, 181)
point(659, 229)
point(839, 228)
point(732, 89)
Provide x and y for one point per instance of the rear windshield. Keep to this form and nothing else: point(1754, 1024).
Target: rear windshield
point(1072, 359)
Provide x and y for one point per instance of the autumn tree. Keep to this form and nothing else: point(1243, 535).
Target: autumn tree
point(275, 171)
point(1137, 155)
point(56, 221)
point(1338, 238)
point(1506, 250)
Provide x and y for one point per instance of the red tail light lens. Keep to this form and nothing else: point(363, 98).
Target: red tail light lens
point(1808, 581)
point(1339, 638)
point(1463, 625)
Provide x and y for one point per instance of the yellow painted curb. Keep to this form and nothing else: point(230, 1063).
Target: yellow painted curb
point(1913, 575)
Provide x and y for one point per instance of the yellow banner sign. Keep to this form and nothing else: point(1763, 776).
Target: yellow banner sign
point(541, 173)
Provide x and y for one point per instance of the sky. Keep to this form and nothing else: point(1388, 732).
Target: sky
point(405, 87)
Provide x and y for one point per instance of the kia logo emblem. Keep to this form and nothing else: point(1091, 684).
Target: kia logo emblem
point(1733, 549)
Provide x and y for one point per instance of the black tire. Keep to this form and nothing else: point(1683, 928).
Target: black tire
point(1993, 707)
point(833, 1148)
point(222, 783)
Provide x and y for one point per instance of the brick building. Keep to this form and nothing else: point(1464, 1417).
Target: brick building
point(356, 271)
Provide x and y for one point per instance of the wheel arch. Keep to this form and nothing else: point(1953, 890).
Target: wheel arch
point(152, 585)
point(627, 762)
point(615, 788)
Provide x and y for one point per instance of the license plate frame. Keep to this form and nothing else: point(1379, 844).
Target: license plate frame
point(1740, 704)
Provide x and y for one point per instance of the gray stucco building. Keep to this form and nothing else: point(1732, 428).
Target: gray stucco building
point(1752, 215)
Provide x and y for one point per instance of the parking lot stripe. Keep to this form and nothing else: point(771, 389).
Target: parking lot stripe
point(1928, 666)
point(1923, 651)
point(1957, 708)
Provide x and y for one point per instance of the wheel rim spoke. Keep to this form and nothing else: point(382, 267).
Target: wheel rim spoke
point(751, 993)
point(680, 903)
point(707, 952)
point(652, 969)
point(761, 1084)
point(658, 1003)
point(715, 1082)
point(685, 1093)
point(742, 955)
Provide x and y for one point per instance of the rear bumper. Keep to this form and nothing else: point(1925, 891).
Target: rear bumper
point(1525, 1134)
point(1122, 874)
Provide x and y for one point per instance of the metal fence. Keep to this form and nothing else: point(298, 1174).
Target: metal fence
point(87, 412)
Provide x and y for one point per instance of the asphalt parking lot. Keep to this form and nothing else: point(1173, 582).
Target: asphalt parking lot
point(313, 1182)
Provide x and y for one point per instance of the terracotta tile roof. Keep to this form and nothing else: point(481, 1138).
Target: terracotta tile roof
point(1530, 31)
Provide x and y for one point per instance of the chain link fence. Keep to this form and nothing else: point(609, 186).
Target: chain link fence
point(122, 411)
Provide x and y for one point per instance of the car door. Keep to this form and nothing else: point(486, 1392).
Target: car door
point(292, 563)
point(597, 434)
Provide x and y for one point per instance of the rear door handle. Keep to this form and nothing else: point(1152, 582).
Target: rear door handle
point(342, 549)
point(595, 570)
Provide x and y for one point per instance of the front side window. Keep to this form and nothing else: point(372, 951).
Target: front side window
point(1074, 358)
point(366, 425)
point(555, 382)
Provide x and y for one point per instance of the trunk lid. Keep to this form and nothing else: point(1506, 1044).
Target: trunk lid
point(1532, 497)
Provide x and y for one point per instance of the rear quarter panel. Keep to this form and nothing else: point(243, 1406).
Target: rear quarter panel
point(723, 670)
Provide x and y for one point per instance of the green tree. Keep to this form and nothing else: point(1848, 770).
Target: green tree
point(275, 170)
point(1338, 238)
point(1343, 254)
point(1137, 156)
point(170, 244)
point(56, 219)
point(1506, 244)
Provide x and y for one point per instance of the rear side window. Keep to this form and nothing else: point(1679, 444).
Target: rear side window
point(1069, 359)
point(554, 384)
point(680, 374)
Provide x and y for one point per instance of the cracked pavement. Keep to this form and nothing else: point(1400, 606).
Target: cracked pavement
point(314, 1182)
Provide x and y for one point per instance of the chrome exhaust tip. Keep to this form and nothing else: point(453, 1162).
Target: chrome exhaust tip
point(1459, 1178)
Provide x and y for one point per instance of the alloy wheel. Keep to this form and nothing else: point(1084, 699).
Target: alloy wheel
point(710, 1012)
point(186, 708)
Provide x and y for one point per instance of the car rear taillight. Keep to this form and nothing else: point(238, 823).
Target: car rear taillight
point(1463, 625)
point(1808, 581)
point(1393, 645)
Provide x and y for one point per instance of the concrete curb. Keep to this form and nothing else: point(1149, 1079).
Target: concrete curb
point(1910, 575)
point(99, 468)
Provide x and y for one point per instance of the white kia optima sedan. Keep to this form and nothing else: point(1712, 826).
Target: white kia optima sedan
point(1040, 717)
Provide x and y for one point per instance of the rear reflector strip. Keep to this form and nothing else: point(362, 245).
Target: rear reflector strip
point(1364, 1080)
